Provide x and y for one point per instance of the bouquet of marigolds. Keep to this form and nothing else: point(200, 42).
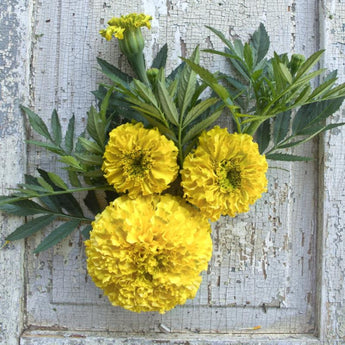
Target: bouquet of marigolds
point(155, 167)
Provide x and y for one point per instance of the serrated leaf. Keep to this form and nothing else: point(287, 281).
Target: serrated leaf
point(66, 201)
point(70, 135)
point(206, 75)
point(96, 127)
point(94, 173)
point(322, 88)
point(309, 63)
point(160, 59)
point(261, 42)
point(263, 135)
point(281, 126)
point(221, 36)
point(338, 91)
point(45, 185)
point(92, 203)
point(57, 180)
point(48, 201)
point(167, 104)
point(114, 74)
point(90, 146)
point(145, 92)
point(57, 235)
point(23, 208)
point(72, 162)
point(187, 84)
point(30, 227)
point(303, 96)
point(86, 231)
point(73, 179)
point(287, 157)
point(56, 128)
point(89, 159)
point(248, 56)
point(200, 126)
point(313, 113)
point(50, 147)
point(37, 123)
point(198, 110)
point(285, 73)
point(104, 105)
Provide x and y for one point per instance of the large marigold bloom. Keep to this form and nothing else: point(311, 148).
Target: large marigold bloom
point(147, 253)
point(225, 174)
point(139, 161)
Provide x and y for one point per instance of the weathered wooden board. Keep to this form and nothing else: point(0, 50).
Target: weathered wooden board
point(266, 263)
point(15, 39)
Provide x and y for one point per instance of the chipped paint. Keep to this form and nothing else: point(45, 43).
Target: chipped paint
point(263, 267)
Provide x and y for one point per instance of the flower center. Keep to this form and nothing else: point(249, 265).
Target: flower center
point(234, 177)
point(229, 174)
point(137, 163)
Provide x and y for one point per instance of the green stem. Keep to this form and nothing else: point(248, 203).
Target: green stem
point(179, 146)
point(137, 62)
point(253, 127)
point(59, 192)
point(63, 215)
point(238, 124)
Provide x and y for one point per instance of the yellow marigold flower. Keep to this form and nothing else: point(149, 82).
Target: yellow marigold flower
point(147, 254)
point(130, 22)
point(225, 174)
point(139, 161)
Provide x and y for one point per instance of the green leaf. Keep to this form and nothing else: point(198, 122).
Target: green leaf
point(261, 42)
point(281, 126)
point(56, 128)
point(37, 123)
point(73, 178)
point(167, 103)
point(72, 162)
point(309, 63)
point(89, 159)
point(263, 135)
point(248, 56)
point(221, 36)
point(187, 84)
point(30, 227)
point(198, 110)
point(160, 60)
point(104, 105)
point(313, 113)
point(92, 203)
point(200, 126)
point(285, 73)
point(96, 127)
point(145, 92)
point(90, 146)
point(86, 231)
point(45, 185)
point(50, 147)
point(322, 88)
point(287, 157)
point(114, 74)
point(57, 235)
point(57, 180)
point(66, 201)
point(70, 135)
point(23, 208)
point(48, 201)
point(211, 81)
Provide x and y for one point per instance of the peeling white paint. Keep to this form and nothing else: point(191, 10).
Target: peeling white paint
point(263, 270)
